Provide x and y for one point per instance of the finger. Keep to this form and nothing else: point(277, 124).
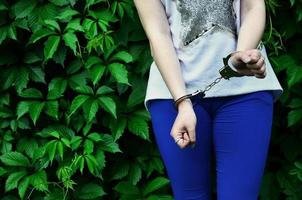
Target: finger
point(244, 56)
point(259, 71)
point(256, 65)
point(184, 141)
point(251, 59)
point(255, 54)
point(245, 71)
point(251, 56)
point(260, 75)
point(192, 135)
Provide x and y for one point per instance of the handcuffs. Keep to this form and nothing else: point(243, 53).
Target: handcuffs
point(226, 72)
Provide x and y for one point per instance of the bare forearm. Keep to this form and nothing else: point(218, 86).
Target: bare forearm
point(156, 26)
point(252, 24)
point(165, 57)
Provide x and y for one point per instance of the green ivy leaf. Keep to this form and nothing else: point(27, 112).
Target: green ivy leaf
point(91, 61)
point(91, 163)
point(23, 8)
point(74, 25)
point(117, 127)
point(51, 46)
point(32, 93)
point(294, 76)
point(107, 144)
point(3, 34)
point(13, 179)
point(126, 187)
point(108, 104)
point(155, 184)
point(135, 173)
point(37, 74)
point(94, 137)
point(96, 72)
point(84, 89)
point(77, 102)
point(39, 181)
point(104, 90)
point(295, 103)
point(119, 72)
point(52, 24)
point(35, 110)
point(3, 7)
point(51, 148)
point(88, 146)
point(101, 162)
point(89, 191)
point(90, 109)
point(66, 14)
point(81, 163)
point(58, 84)
point(60, 2)
point(52, 109)
point(294, 116)
point(15, 159)
point(22, 80)
point(75, 142)
point(121, 170)
point(60, 148)
point(22, 108)
point(22, 187)
point(139, 127)
point(2, 171)
point(27, 145)
point(39, 34)
point(122, 56)
point(71, 41)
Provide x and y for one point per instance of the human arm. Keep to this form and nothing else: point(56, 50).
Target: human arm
point(156, 26)
point(252, 17)
point(155, 23)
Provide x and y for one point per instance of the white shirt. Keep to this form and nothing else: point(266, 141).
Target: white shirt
point(200, 47)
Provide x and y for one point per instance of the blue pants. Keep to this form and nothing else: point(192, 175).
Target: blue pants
point(235, 130)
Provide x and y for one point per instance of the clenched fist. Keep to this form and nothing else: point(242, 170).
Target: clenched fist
point(249, 63)
point(183, 129)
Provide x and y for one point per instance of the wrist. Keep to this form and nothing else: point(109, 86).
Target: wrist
point(232, 62)
point(184, 104)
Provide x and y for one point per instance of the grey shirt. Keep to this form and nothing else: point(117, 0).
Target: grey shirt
point(203, 32)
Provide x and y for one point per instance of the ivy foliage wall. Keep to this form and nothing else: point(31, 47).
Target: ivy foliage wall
point(72, 121)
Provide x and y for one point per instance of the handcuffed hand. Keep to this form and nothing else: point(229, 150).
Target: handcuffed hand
point(183, 129)
point(249, 63)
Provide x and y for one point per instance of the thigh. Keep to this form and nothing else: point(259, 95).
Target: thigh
point(188, 169)
point(242, 129)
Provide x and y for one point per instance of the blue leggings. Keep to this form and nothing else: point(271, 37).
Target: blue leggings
point(234, 129)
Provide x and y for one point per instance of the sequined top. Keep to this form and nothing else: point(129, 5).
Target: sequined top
point(199, 16)
point(203, 32)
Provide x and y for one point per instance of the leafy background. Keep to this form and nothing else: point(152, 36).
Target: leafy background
point(72, 121)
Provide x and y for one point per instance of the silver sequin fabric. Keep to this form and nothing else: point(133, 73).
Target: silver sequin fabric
point(198, 16)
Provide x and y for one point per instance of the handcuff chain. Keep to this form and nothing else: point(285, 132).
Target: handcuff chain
point(208, 87)
point(225, 72)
